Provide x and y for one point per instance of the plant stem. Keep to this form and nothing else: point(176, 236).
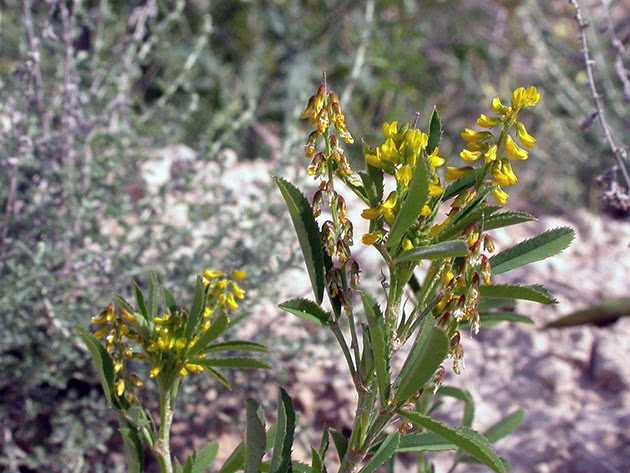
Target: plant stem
point(162, 448)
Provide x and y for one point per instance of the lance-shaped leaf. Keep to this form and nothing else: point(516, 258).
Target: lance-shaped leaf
point(236, 345)
point(435, 131)
point(492, 319)
point(283, 438)
point(505, 219)
point(307, 233)
point(428, 353)
point(446, 249)
point(457, 228)
point(202, 459)
point(341, 443)
point(154, 292)
point(538, 248)
point(218, 327)
point(134, 451)
point(384, 453)
point(599, 315)
point(102, 362)
point(500, 430)
point(472, 206)
point(235, 461)
point(417, 196)
point(471, 442)
point(379, 346)
point(140, 301)
point(465, 397)
point(535, 293)
point(424, 442)
point(317, 464)
point(255, 439)
point(307, 310)
point(373, 184)
point(197, 308)
point(236, 362)
point(218, 377)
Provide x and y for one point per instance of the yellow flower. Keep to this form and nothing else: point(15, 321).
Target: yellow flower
point(513, 150)
point(239, 275)
point(500, 196)
point(388, 151)
point(315, 104)
point(518, 97)
point(206, 325)
point(118, 365)
point(453, 173)
point(407, 245)
point(370, 238)
point(155, 371)
point(120, 387)
point(447, 277)
point(435, 189)
point(372, 213)
point(491, 154)
point(373, 159)
point(238, 291)
point(528, 140)
point(435, 160)
point(231, 302)
point(193, 368)
point(484, 121)
point(469, 135)
point(207, 312)
point(425, 211)
point(470, 156)
point(390, 130)
point(504, 175)
point(531, 96)
point(498, 107)
point(403, 175)
point(211, 274)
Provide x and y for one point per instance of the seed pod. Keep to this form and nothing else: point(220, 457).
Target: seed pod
point(488, 243)
point(317, 203)
point(355, 271)
point(341, 208)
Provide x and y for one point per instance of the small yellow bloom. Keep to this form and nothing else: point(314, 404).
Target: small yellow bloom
point(390, 202)
point(211, 274)
point(435, 160)
point(373, 159)
point(518, 97)
point(531, 97)
point(415, 141)
point(231, 302)
point(498, 107)
point(500, 196)
point(238, 291)
point(469, 135)
point(120, 387)
point(403, 175)
point(193, 368)
point(388, 151)
point(126, 316)
point(208, 312)
point(370, 238)
point(100, 333)
point(239, 275)
point(155, 371)
point(447, 277)
point(513, 150)
point(491, 154)
point(425, 211)
point(453, 173)
point(528, 140)
point(183, 372)
point(435, 189)
point(470, 156)
point(118, 366)
point(137, 382)
point(180, 344)
point(484, 121)
point(372, 213)
point(407, 245)
point(390, 130)
point(206, 325)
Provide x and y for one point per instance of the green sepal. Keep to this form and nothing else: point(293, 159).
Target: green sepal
point(461, 184)
point(307, 233)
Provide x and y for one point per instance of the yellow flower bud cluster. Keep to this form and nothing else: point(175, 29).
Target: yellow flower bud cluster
point(223, 292)
point(397, 156)
point(497, 152)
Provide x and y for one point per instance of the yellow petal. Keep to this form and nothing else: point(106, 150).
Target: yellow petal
point(528, 140)
point(370, 238)
point(484, 121)
point(514, 151)
point(390, 202)
point(497, 106)
point(435, 190)
point(531, 97)
point(390, 130)
point(372, 213)
point(239, 275)
point(453, 173)
point(435, 160)
point(491, 154)
point(403, 175)
point(470, 156)
point(500, 196)
point(425, 211)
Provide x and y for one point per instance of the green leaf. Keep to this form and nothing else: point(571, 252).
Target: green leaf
point(317, 465)
point(102, 362)
point(379, 345)
point(140, 301)
point(472, 206)
point(283, 441)
point(219, 377)
point(341, 443)
point(461, 184)
point(197, 308)
point(154, 290)
point(236, 345)
point(307, 310)
point(373, 183)
point(255, 439)
point(235, 461)
point(307, 233)
point(384, 453)
point(467, 439)
point(134, 451)
point(424, 442)
point(457, 229)
point(435, 131)
point(491, 319)
point(505, 426)
point(505, 219)
point(534, 293)
point(465, 397)
point(417, 196)
point(427, 354)
point(600, 314)
point(445, 249)
point(236, 362)
point(538, 248)
point(169, 299)
point(203, 458)
point(218, 327)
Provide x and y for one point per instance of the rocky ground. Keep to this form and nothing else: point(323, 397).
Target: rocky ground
point(574, 384)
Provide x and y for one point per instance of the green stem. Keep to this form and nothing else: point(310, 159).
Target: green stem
point(162, 448)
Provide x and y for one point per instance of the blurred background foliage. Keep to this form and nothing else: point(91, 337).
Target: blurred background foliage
point(120, 119)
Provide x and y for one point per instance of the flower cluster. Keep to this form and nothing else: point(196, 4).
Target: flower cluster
point(328, 159)
point(397, 156)
point(497, 152)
